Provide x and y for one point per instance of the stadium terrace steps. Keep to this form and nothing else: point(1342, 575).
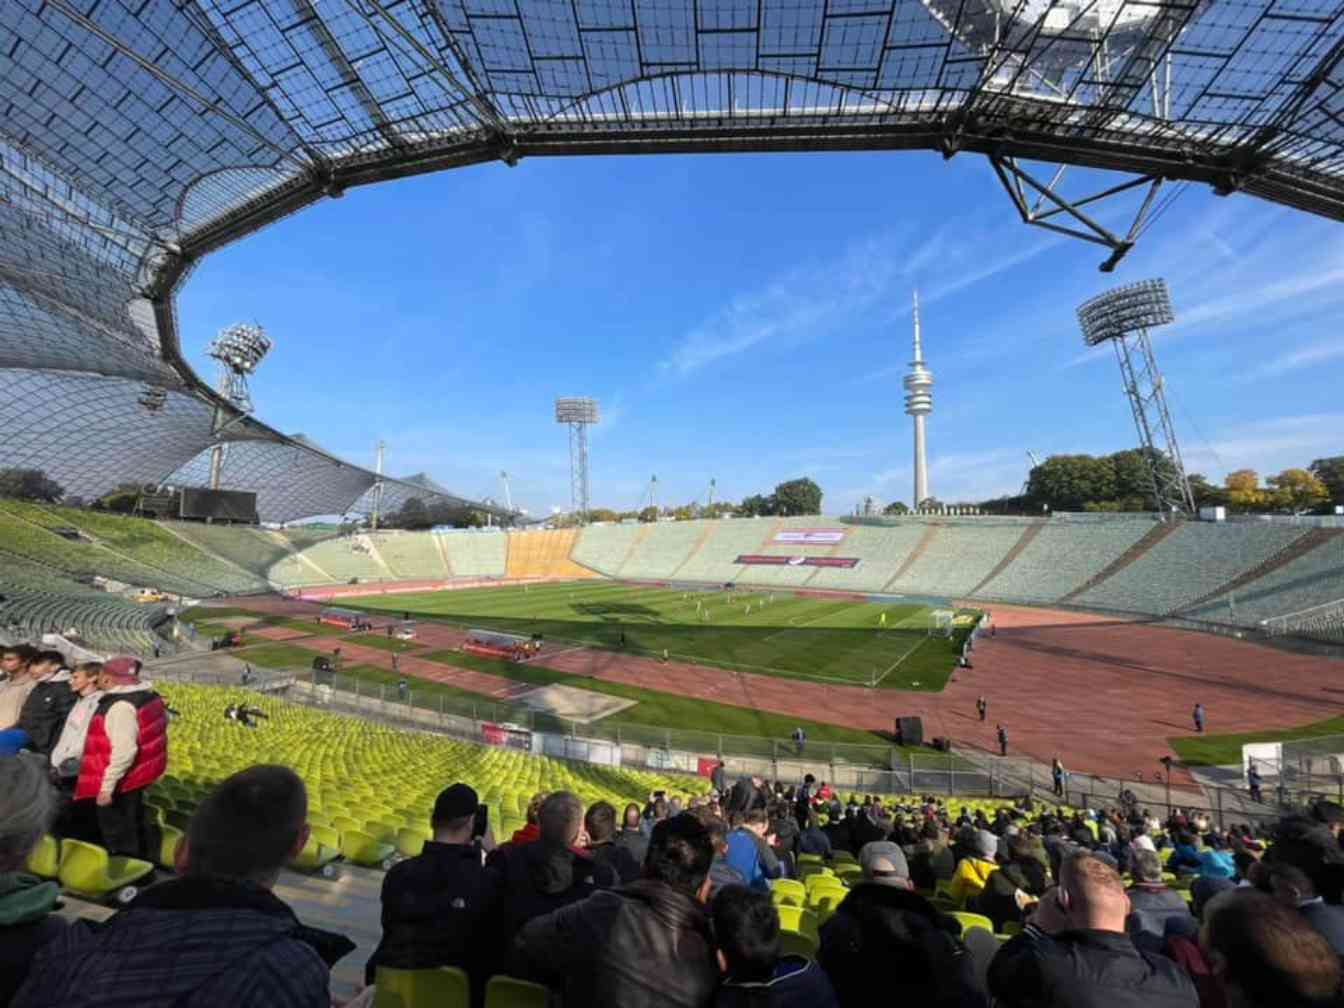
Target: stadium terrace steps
point(411, 554)
point(476, 554)
point(344, 559)
point(1307, 572)
point(543, 554)
point(371, 543)
point(1060, 558)
point(958, 558)
point(881, 552)
point(1158, 532)
point(1195, 558)
point(662, 550)
point(926, 536)
point(251, 578)
point(705, 532)
point(726, 540)
point(255, 550)
point(603, 548)
point(441, 545)
point(1028, 534)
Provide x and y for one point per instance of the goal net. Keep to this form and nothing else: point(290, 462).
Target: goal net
point(1323, 622)
point(940, 622)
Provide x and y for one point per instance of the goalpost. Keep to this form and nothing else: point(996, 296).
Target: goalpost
point(940, 622)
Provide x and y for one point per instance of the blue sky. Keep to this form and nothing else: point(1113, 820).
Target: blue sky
point(747, 318)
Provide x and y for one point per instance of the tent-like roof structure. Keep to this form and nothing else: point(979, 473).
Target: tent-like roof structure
point(135, 138)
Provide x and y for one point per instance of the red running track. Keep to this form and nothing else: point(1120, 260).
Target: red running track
point(1102, 693)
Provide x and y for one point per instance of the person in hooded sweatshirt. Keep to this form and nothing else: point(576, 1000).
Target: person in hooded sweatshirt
point(755, 975)
point(542, 876)
point(48, 704)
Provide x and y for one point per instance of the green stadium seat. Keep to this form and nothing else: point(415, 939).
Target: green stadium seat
point(169, 838)
point(800, 919)
point(316, 856)
point(88, 870)
point(510, 992)
point(972, 920)
point(362, 849)
point(410, 842)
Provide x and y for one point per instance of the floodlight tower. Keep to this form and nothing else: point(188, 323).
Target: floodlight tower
point(579, 412)
point(1123, 317)
point(918, 405)
point(238, 349)
point(508, 497)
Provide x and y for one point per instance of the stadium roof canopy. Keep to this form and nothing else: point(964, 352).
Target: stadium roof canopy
point(137, 137)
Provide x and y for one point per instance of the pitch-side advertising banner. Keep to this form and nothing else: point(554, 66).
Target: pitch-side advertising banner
point(810, 537)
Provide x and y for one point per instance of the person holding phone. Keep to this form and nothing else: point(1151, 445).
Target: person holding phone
point(435, 905)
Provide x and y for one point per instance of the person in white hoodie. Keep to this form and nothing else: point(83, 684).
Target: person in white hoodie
point(75, 820)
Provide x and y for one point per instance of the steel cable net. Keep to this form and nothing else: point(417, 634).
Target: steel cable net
point(137, 137)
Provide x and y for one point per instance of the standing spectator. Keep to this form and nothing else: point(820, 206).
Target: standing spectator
point(402, 689)
point(26, 904)
point(799, 740)
point(72, 819)
point(748, 793)
point(884, 937)
point(125, 751)
point(1057, 776)
point(1253, 782)
point(750, 852)
point(545, 875)
point(718, 778)
point(49, 702)
point(1197, 715)
point(1074, 953)
point(1002, 734)
point(14, 691)
point(435, 905)
point(217, 934)
point(645, 945)
point(802, 799)
point(746, 927)
point(600, 825)
point(631, 837)
point(1265, 956)
point(974, 870)
point(982, 707)
point(931, 859)
point(721, 873)
point(531, 829)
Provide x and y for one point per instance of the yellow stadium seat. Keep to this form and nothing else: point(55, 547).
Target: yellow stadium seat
point(797, 943)
point(88, 870)
point(445, 987)
point(792, 918)
point(510, 992)
point(45, 859)
point(972, 920)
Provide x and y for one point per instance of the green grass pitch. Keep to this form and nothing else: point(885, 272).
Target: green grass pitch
point(819, 639)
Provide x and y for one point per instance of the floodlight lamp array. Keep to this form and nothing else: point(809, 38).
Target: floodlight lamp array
point(241, 347)
point(576, 410)
point(1131, 308)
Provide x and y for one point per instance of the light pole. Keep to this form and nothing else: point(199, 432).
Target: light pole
point(1166, 765)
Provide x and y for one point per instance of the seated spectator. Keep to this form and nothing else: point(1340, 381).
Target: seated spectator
point(1018, 883)
point(600, 825)
point(746, 928)
point(1266, 956)
point(1074, 953)
point(548, 873)
point(1217, 872)
point(974, 870)
point(1153, 905)
point(436, 905)
point(647, 944)
point(125, 751)
point(27, 805)
point(749, 852)
point(631, 837)
point(1184, 858)
point(531, 829)
point(813, 839)
point(216, 935)
point(1294, 888)
point(931, 859)
point(884, 937)
point(48, 703)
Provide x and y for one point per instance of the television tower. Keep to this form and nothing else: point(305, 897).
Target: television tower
point(919, 404)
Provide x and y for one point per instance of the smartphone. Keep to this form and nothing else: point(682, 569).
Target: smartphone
point(482, 821)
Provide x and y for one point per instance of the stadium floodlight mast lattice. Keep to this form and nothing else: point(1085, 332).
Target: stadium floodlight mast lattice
point(1123, 317)
point(238, 349)
point(579, 413)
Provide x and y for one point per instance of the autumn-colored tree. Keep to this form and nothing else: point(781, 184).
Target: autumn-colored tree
point(1243, 490)
point(1297, 490)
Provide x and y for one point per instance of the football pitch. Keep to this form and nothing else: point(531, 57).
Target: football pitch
point(817, 639)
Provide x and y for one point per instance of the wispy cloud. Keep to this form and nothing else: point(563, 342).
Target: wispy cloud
point(1303, 357)
point(809, 300)
point(1266, 445)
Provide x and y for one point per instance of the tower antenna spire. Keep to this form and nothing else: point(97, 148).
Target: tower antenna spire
point(918, 405)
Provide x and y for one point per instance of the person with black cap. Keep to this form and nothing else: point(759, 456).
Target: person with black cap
point(435, 904)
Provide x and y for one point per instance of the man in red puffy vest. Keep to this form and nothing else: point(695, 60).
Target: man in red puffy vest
point(125, 751)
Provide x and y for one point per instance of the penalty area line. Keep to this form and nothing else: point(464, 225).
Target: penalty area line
point(894, 665)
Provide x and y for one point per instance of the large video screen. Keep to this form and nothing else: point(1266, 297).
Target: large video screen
point(225, 505)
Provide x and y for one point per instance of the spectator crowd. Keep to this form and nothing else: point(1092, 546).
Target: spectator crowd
point(656, 904)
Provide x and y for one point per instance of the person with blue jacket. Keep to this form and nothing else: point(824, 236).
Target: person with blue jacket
point(749, 851)
point(1184, 858)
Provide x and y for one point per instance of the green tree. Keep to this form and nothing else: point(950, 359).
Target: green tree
point(930, 504)
point(603, 515)
point(29, 484)
point(1330, 471)
point(798, 497)
point(1297, 490)
point(1206, 494)
point(896, 508)
point(649, 514)
point(1070, 482)
point(412, 515)
point(756, 505)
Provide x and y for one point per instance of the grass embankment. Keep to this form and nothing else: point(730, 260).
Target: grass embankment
point(1221, 750)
